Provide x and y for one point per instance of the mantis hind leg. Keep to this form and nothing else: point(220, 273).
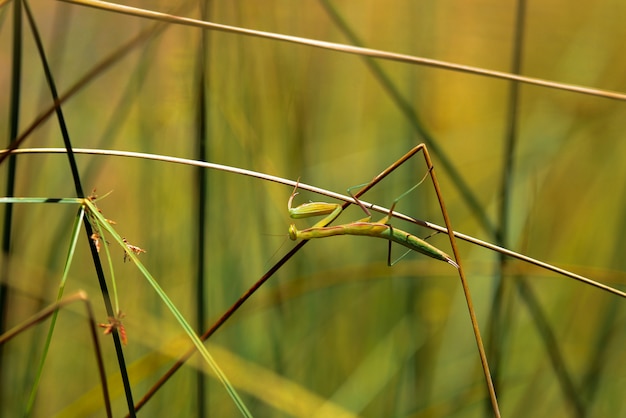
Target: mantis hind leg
point(387, 219)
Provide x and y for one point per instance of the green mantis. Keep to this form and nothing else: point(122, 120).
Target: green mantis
point(383, 229)
point(380, 229)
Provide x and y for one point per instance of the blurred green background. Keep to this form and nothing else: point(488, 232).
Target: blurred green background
point(335, 324)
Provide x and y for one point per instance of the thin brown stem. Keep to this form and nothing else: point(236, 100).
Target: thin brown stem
point(246, 295)
point(464, 284)
point(349, 49)
point(370, 206)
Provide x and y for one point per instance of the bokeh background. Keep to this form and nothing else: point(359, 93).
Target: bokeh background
point(334, 327)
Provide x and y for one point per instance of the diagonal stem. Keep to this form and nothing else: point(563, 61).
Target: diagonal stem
point(246, 295)
point(464, 284)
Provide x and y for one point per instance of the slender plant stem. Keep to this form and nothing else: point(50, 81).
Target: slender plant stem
point(464, 284)
point(246, 295)
point(16, 74)
point(339, 196)
point(202, 193)
point(498, 325)
point(80, 193)
point(348, 49)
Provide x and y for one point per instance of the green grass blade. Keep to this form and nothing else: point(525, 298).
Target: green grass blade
point(93, 212)
point(73, 200)
point(66, 268)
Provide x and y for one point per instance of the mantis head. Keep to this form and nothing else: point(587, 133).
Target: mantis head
point(293, 232)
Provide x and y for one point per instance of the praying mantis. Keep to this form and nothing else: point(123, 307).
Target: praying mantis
point(383, 229)
point(380, 229)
